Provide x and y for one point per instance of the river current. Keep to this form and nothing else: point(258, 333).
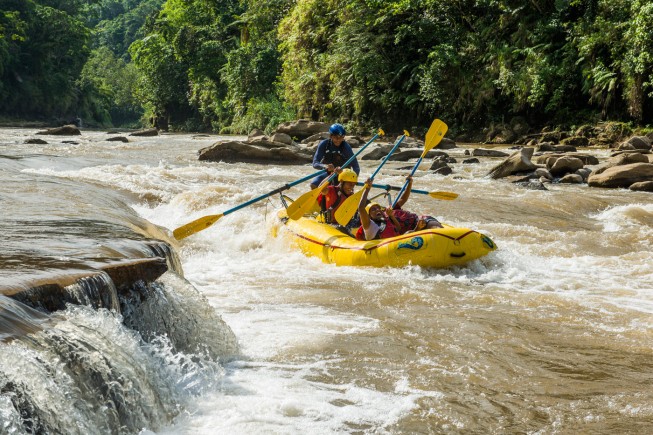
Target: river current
point(551, 333)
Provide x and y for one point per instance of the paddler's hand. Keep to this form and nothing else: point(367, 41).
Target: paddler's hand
point(330, 168)
point(368, 183)
point(338, 169)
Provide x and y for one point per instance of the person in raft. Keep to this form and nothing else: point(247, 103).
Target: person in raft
point(333, 196)
point(376, 223)
point(332, 153)
point(410, 222)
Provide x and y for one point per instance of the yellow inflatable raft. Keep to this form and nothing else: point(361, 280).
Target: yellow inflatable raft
point(436, 248)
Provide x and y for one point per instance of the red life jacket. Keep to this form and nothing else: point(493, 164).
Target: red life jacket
point(331, 201)
point(386, 230)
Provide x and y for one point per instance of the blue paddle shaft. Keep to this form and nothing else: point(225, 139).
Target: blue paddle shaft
point(388, 187)
point(403, 189)
point(388, 156)
point(275, 191)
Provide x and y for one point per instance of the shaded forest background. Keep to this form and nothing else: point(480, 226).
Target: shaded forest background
point(232, 65)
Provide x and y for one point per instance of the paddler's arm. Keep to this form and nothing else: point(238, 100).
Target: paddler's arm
point(404, 196)
point(365, 218)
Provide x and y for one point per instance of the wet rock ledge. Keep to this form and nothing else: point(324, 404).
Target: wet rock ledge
point(67, 242)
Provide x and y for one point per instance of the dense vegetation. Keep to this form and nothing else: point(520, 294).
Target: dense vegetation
point(231, 65)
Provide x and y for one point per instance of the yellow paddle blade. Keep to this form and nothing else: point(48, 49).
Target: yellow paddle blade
point(304, 204)
point(196, 226)
point(348, 208)
point(446, 196)
point(434, 136)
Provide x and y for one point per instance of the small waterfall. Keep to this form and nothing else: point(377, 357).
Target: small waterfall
point(94, 370)
point(183, 315)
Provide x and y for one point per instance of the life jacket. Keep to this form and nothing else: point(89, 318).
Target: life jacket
point(386, 230)
point(406, 219)
point(330, 202)
point(333, 154)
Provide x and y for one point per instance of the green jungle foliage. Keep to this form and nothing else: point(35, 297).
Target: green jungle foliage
point(232, 65)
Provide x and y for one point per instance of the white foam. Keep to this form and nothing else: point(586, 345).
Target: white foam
point(281, 399)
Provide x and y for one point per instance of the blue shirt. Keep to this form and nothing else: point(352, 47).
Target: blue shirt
point(327, 149)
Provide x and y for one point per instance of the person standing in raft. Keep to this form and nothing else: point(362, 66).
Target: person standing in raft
point(332, 153)
point(376, 223)
point(410, 222)
point(333, 196)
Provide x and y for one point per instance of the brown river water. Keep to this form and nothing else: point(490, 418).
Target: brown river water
point(551, 333)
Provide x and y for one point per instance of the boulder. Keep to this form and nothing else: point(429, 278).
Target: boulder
point(256, 132)
point(519, 161)
point(281, 138)
point(585, 158)
point(622, 159)
point(378, 153)
point(565, 165)
point(146, 132)
point(575, 141)
point(532, 185)
point(66, 130)
point(316, 137)
point(642, 186)
point(234, 151)
point(551, 136)
point(444, 157)
point(548, 146)
point(471, 161)
point(118, 139)
point(410, 142)
point(584, 172)
point(572, 179)
point(265, 142)
point(302, 128)
point(636, 143)
point(622, 176)
point(354, 141)
point(447, 144)
point(440, 167)
point(36, 141)
point(541, 172)
point(480, 152)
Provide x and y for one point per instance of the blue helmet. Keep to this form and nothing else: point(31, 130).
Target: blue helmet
point(337, 129)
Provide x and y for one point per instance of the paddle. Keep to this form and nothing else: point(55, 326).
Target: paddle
point(348, 208)
point(433, 138)
point(446, 196)
point(306, 202)
point(204, 222)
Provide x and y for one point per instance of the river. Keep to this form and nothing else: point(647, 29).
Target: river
point(551, 333)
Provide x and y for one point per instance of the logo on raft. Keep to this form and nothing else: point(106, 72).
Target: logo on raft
point(487, 241)
point(415, 243)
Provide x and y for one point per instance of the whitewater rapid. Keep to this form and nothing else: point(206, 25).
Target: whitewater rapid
point(551, 333)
